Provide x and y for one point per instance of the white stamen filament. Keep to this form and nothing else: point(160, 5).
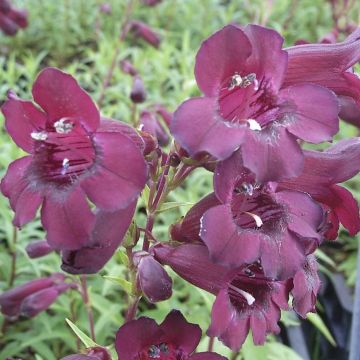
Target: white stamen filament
point(248, 297)
point(39, 136)
point(254, 125)
point(65, 164)
point(257, 219)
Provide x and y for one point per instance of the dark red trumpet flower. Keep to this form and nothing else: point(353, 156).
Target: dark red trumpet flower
point(245, 298)
point(329, 65)
point(323, 170)
point(241, 71)
point(74, 155)
point(174, 338)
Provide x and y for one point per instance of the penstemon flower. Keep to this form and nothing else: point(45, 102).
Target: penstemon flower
point(245, 298)
point(74, 155)
point(174, 338)
point(241, 70)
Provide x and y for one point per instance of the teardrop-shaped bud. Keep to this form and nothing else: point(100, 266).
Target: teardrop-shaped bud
point(138, 92)
point(38, 249)
point(152, 278)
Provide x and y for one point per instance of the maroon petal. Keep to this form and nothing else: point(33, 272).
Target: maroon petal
point(154, 281)
point(228, 244)
point(232, 329)
point(325, 64)
point(282, 257)
point(188, 230)
point(306, 215)
point(198, 128)
point(107, 234)
point(345, 207)
point(179, 332)
point(191, 262)
point(136, 335)
point(60, 96)
point(120, 172)
point(272, 154)
point(267, 58)
point(314, 112)
point(22, 119)
point(227, 174)
point(258, 328)
point(116, 126)
point(221, 315)
point(220, 57)
point(306, 284)
point(68, 221)
point(23, 199)
point(338, 163)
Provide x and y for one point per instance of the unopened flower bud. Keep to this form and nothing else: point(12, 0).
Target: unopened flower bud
point(138, 92)
point(7, 25)
point(20, 17)
point(128, 68)
point(11, 300)
point(42, 300)
point(150, 142)
point(150, 124)
point(38, 249)
point(144, 31)
point(152, 278)
point(105, 8)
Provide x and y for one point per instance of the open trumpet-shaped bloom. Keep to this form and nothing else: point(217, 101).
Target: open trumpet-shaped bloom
point(245, 298)
point(74, 156)
point(240, 71)
point(173, 339)
point(323, 171)
point(257, 222)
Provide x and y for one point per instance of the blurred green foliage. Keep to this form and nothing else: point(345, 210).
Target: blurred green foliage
point(76, 37)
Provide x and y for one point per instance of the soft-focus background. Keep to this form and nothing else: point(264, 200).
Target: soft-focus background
point(75, 36)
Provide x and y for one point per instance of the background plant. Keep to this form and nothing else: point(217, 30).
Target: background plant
point(76, 37)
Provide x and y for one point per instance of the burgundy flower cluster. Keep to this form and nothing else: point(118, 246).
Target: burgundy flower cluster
point(250, 242)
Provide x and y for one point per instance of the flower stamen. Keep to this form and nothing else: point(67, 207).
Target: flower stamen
point(62, 126)
point(256, 218)
point(248, 297)
point(254, 125)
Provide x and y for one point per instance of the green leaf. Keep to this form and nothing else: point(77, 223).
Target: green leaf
point(146, 194)
point(277, 351)
point(316, 320)
point(125, 285)
point(88, 342)
point(172, 205)
point(123, 258)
